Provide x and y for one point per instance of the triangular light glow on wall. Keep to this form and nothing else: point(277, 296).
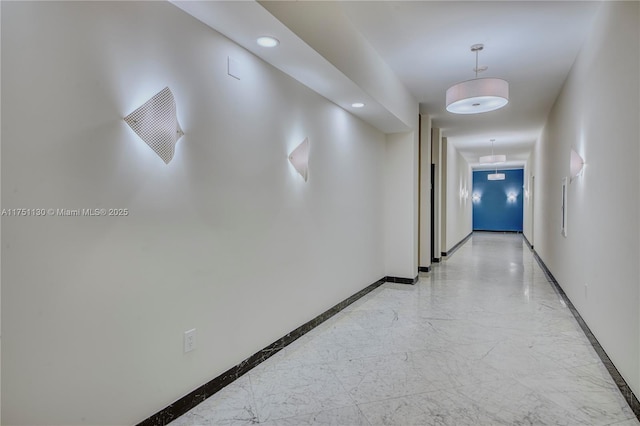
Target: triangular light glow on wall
point(299, 158)
point(576, 164)
point(157, 124)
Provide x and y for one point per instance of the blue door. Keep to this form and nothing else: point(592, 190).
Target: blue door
point(497, 204)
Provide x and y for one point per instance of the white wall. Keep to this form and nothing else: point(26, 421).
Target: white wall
point(425, 191)
point(436, 158)
point(0, 241)
point(401, 205)
point(597, 114)
point(459, 212)
point(529, 199)
point(443, 197)
point(227, 238)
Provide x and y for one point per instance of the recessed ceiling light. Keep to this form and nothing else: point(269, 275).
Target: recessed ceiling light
point(268, 41)
point(357, 105)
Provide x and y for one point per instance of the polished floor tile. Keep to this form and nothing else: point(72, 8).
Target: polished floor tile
point(483, 339)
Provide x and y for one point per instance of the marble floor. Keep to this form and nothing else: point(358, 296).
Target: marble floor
point(483, 339)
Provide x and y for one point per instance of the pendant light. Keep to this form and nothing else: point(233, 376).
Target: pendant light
point(576, 164)
point(495, 176)
point(477, 95)
point(490, 159)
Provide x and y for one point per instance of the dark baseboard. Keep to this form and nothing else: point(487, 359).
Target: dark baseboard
point(203, 392)
point(458, 245)
point(497, 231)
point(527, 242)
point(400, 280)
point(626, 391)
point(195, 397)
point(424, 269)
point(436, 260)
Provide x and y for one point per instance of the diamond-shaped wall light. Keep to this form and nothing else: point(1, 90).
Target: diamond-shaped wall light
point(576, 164)
point(299, 158)
point(157, 124)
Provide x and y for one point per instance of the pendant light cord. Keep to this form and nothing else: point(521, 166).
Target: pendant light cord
point(492, 140)
point(476, 68)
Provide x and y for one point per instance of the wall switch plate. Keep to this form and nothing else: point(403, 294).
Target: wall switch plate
point(233, 68)
point(189, 340)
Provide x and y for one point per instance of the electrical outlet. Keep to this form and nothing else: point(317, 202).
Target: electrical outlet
point(189, 340)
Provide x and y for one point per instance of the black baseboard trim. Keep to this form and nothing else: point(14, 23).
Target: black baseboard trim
point(195, 397)
point(436, 260)
point(527, 241)
point(626, 391)
point(399, 280)
point(458, 245)
point(424, 269)
point(498, 232)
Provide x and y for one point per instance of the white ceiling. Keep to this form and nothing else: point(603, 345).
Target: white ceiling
point(531, 44)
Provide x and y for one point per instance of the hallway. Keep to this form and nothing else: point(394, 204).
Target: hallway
point(484, 339)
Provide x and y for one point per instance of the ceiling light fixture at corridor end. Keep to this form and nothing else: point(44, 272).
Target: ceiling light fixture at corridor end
point(493, 158)
point(496, 176)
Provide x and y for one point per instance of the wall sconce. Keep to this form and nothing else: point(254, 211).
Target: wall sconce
point(157, 124)
point(463, 193)
point(576, 164)
point(475, 197)
point(512, 197)
point(299, 158)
